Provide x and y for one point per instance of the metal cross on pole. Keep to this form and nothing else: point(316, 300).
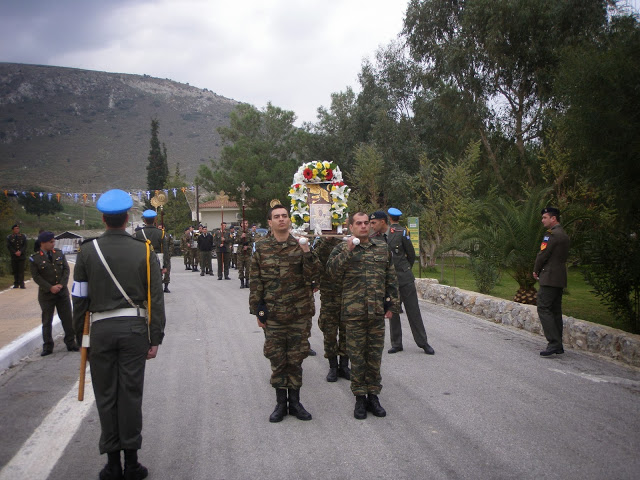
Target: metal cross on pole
point(243, 188)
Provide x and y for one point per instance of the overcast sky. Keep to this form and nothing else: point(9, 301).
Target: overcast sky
point(294, 53)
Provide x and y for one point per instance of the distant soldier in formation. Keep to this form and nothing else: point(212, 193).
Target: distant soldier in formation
point(125, 330)
point(195, 252)
point(50, 271)
point(205, 246)
point(282, 272)
point(156, 236)
point(234, 247)
point(404, 256)
point(17, 244)
point(223, 243)
point(166, 277)
point(185, 247)
point(369, 295)
point(330, 321)
point(245, 248)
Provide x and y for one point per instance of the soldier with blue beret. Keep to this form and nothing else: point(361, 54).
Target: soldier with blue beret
point(157, 237)
point(127, 326)
point(50, 271)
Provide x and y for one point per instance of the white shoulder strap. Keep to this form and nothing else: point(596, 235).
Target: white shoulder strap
point(143, 234)
point(115, 280)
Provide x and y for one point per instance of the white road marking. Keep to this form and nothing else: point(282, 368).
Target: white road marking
point(600, 378)
point(42, 450)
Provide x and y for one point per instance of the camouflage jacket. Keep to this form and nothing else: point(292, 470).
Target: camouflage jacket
point(245, 245)
point(48, 273)
point(323, 247)
point(185, 242)
point(281, 276)
point(368, 278)
point(127, 259)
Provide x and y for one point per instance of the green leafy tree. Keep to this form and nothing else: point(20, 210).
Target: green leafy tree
point(367, 181)
point(35, 204)
point(260, 149)
point(157, 168)
point(177, 213)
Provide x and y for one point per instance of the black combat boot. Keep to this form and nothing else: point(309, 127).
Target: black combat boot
point(343, 369)
point(241, 283)
point(281, 407)
point(166, 288)
point(295, 407)
point(113, 469)
point(132, 469)
point(195, 269)
point(360, 411)
point(373, 406)
point(246, 283)
point(332, 376)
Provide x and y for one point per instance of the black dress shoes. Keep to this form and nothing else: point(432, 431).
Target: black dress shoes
point(429, 350)
point(395, 349)
point(312, 352)
point(46, 352)
point(550, 351)
point(73, 348)
point(135, 472)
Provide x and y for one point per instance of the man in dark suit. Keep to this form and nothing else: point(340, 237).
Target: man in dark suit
point(551, 271)
point(404, 255)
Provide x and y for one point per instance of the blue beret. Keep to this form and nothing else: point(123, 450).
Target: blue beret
point(149, 214)
point(45, 237)
point(114, 201)
point(394, 212)
point(378, 215)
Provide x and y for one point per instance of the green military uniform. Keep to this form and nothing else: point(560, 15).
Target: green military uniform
point(17, 242)
point(550, 266)
point(404, 256)
point(119, 344)
point(205, 245)
point(281, 277)
point(222, 242)
point(166, 278)
point(245, 248)
point(369, 281)
point(234, 248)
point(185, 248)
point(330, 320)
point(49, 269)
point(158, 240)
point(195, 252)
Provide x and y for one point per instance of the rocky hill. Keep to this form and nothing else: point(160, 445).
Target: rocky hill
point(80, 130)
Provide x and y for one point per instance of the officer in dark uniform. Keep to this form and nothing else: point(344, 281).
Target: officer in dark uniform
point(50, 270)
point(223, 243)
point(17, 244)
point(156, 236)
point(127, 325)
point(550, 270)
point(205, 245)
point(404, 255)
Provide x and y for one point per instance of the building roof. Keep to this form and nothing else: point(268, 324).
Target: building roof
point(80, 234)
point(219, 203)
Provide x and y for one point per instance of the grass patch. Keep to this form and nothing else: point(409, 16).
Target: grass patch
point(578, 302)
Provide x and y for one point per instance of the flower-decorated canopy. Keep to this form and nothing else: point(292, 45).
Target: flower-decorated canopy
point(328, 174)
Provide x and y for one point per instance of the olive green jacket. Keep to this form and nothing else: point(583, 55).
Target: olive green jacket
point(158, 239)
point(552, 258)
point(48, 273)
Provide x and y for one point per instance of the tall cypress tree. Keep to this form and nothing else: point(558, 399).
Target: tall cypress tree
point(158, 168)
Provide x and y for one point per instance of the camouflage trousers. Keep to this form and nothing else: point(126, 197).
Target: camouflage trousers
point(166, 277)
point(244, 262)
point(205, 261)
point(195, 254)
point(365, 343)
point(332, 326)
point(283, 346)
point(188, 258)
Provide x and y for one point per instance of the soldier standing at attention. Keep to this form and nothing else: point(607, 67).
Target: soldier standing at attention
point(17, 244)
point(185, 247)
point(404, 256)
point(205, 245)
point(127, 325)
point(195, 252)
point(157, 237)
point(223, 242)
point(330, 320)
point(550, 270)
point(281, 275)
point(369, 295)
point(245, 247)
point(50, 270)
point(234, 247)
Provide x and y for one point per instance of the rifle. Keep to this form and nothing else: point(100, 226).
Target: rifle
point(84, 350)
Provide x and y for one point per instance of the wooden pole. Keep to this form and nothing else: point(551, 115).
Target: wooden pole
point(84, 350)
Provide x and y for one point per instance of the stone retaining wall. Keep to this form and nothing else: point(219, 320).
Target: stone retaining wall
point(577, 334)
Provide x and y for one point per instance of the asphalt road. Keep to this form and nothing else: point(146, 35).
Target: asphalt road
point(485, 406)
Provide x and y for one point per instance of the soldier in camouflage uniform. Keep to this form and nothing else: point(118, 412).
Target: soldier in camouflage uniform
point(330, 320)
point(50, 270)
point(282, 272)
point(125, 331)
point(245, 247)
point(234, 243)
point(185, 247)
point(369, 295)
point(195, 252)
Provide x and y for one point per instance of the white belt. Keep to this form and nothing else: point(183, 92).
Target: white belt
point(118, 312)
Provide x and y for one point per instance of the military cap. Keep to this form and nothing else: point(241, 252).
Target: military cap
point(149, 214)
point(14, 226)
point(186, 228)
point(551, 211)
point(114, 201)
point(394, 212)
point(45, 237)
point(378, 215)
